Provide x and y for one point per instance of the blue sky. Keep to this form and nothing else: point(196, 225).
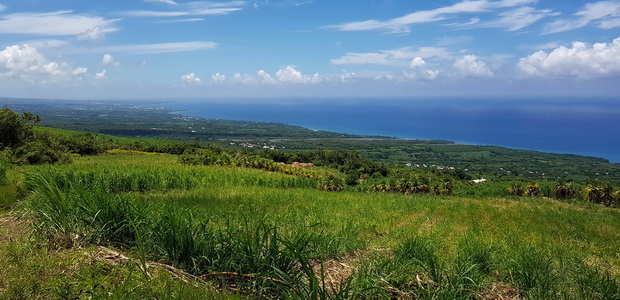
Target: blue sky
point(102, 49)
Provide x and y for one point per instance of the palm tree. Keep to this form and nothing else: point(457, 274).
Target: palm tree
point(607, 194)
point(593, 193)
point(533, 190)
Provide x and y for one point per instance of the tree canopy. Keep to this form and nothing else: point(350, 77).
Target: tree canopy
point(15, 129)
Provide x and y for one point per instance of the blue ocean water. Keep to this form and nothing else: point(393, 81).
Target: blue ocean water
point(577, 126)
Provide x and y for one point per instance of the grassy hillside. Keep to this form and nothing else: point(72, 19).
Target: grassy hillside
point(160, 126)
point(152, 227)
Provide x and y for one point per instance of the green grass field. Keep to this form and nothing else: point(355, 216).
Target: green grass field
point(231, 232)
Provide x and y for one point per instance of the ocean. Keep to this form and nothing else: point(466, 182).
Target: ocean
point(577, 126)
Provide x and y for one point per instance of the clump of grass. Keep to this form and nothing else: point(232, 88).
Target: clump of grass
point(69, 216)
point(595, 283)
point(421, 251)
point(532, 272)
point(476, 251)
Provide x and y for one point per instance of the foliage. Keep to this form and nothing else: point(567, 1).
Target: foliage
point(15, 129)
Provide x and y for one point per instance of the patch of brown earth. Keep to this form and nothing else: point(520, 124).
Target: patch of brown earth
point(500, 291)
point(297, 165)
point(12, 228)
point(337, 270)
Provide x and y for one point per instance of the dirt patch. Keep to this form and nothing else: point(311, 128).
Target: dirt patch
point(297, 165)
point(12, 228)
point(500, 291)
point(337, 270)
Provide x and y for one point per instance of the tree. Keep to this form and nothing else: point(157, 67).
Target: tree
point(15, 129)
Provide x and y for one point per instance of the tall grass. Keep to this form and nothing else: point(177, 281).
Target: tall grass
point(256, 255)
point(122, 179)
point(239, 226)
point(533, 272)
point(4, 168)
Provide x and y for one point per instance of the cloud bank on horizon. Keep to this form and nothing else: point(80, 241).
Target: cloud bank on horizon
point(164, 48)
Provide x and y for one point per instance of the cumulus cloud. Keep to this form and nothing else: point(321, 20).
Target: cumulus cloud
point(291, 75)
point(346, 76)
point(470, 65)
point(264, 77)
point(402, 24)
point(244, 78)
point(218, 78)
point(80, 71)
point(101, 75)
point(191, 78)
point(60, 23)
point(94, 34)
point(108, 60)
point(580, 60)
point(606, 13)
point(25, 63)
point(286, 75)
point(420, 71)
point(417, 62)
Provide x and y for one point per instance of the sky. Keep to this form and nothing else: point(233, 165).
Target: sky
point(102, 49)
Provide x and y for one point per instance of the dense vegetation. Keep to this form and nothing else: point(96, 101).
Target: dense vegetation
point(133, 218)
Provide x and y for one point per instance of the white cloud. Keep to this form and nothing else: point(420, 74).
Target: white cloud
point(191, 78)
point(25, 63)
point(362, 58)
point(108, 59)
point(470, 65)
point(60, 23)
point(399, 56)
point(346, 77)
point(244, 78)
point(286, 75)
point(545, 46)
point(515, 19)
point(420, 71)
point(386, 77)
point(180, 20)
point(264, 77)
point(196, 8)
point(80, 71)
point(402, 24)
point(417, 62)
point(94, 34)
point(101, 75)
point(607, 12)
point(47, 44)
point(291, 75)
point(159, 48)
point(2, 7)
point(581, 61)
point(161, 1)
point(218, 78)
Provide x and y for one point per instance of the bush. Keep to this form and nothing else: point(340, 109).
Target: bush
point(15, 129)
